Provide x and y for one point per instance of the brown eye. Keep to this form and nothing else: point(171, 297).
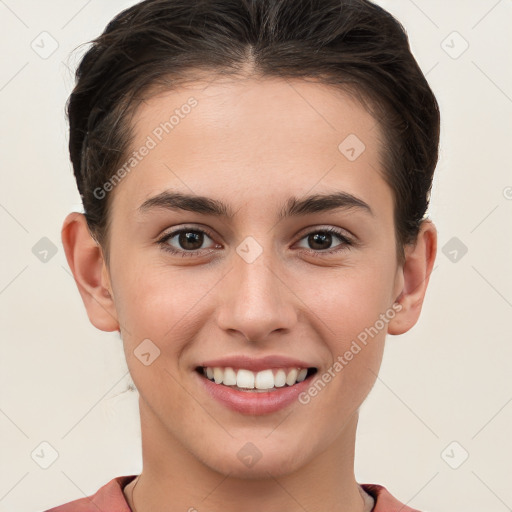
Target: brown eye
point(321, 240)
point(190, 240)
point(186, 242)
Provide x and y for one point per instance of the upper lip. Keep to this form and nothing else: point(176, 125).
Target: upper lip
point(257, 364)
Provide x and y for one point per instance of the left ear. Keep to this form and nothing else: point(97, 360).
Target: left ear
point(416, 270)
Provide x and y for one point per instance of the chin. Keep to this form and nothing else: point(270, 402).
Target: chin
point(251, 463)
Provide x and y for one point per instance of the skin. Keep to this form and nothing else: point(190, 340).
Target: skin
point(252, 144)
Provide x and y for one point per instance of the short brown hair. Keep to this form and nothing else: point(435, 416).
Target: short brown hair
point(352, 44)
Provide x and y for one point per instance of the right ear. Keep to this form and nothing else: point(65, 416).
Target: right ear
point(86, 261)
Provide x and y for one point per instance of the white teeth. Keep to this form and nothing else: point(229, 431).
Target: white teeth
point(291, 378)
point(245, 379)
point(280, 379)
point(302, 375)
point(262, 380)
point(229, 377)
point(218, 375)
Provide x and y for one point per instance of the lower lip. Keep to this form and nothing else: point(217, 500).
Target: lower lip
point(253, 402)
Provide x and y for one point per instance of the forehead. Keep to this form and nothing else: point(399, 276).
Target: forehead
point(244, 140)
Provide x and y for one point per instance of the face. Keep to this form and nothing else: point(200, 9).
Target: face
point(257, 278)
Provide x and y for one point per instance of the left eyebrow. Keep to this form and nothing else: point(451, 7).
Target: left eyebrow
point(323, 203)
point(294, 207)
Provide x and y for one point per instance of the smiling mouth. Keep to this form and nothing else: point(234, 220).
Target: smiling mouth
point(241, 379)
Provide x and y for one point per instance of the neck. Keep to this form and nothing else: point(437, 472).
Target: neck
point(174, 480)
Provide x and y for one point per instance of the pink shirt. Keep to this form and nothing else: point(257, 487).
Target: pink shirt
point(110, 498)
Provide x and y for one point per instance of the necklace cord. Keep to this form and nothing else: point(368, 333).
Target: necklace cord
point(133, 489)
point(369, 501)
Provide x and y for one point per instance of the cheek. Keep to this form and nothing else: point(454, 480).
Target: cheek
point(155, 306)
point(347, 301)
point(351, 309)
point(160, 301)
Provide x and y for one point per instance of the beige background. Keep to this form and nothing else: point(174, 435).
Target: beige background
point(448, 380)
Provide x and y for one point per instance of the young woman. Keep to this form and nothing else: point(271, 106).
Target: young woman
point(255, 176)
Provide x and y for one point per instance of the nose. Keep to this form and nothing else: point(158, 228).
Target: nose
point(256, 299)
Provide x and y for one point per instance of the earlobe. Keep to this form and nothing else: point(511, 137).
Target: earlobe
point(419, 261)
point(85, 259)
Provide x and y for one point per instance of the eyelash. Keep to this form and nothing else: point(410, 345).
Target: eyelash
point(346, 242)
